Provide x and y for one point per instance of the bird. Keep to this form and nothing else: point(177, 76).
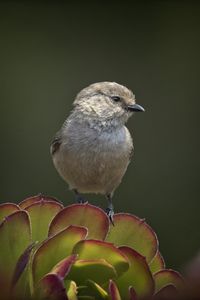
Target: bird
point(93, 148)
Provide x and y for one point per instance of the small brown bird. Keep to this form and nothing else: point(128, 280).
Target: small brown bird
point(92, 150)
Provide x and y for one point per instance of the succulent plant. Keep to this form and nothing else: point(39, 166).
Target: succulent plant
point(48, 251)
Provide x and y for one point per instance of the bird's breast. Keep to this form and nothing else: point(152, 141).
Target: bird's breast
point(94, 161)
point(103, 142)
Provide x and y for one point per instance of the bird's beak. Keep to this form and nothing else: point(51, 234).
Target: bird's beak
point(135, 107)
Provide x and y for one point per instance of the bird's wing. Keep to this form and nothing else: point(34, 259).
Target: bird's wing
point(55, 144)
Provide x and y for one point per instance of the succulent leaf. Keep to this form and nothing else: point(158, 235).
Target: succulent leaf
point(41, 214)
point(133, 232)
point(21, 264)
point(13, 244)
point(64, 266)
point(96, 290)
point(7, 209)
point(157, 263)
point(50, 287)
point(96, 269)
point(114, 292)
point(132, 292)
point(93, 249)
point(34, 199)
point(138, 276)
point(168, 277)
point(54, 249)
point(79, 255)
point(86, 215)
point(20, 285)
point(168, 292)
point(71, 290)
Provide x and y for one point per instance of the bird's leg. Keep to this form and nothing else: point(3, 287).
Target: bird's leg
point(79, 198)
point(110, 208)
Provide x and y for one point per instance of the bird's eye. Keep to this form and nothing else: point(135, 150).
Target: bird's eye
point(116, 98)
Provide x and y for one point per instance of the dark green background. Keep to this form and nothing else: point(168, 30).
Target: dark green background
point(51, 50)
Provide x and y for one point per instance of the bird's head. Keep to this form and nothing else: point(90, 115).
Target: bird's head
point(107, 102)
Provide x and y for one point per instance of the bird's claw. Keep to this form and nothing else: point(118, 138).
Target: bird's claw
point(110, 214)
point(81, 200)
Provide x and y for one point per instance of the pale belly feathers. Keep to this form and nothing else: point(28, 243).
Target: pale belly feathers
point(94, 163)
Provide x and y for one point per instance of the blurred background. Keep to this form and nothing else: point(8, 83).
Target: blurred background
point(51, 50)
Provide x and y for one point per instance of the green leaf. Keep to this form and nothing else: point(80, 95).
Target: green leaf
point(71, 290)
point(131, 231)
point(21, 264)
point(52, 284)
point(168, 277)
point(41, 213)
point(168, 292)
point(64, 266)
point(15, 237)
point(95, 290)
point(93, 249)
point(113, 290)
point(138, 276)
point(157, 263)
point(6, 209)
point(34, 199)
point(54, 249)
point(99, 292)
point(97, 270)
point(20, 285)
point(50, 287)
point(85, 215)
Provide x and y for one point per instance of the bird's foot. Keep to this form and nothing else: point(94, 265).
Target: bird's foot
point(79, 198)
point(110, 209)
point(110, 214)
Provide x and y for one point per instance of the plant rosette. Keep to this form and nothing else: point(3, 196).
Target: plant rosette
point(49, 251)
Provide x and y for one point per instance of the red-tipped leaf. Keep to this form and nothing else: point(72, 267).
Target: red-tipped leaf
point(133, 232)
point(168, 277)
point(50, 287)
point(63, 267)
point(138, 276)
point(41, 214)
point(85, 215)
point(168, 292)
point(6, 209)
point(34, 199)
point(113, 291)
point(93, 249)
point(56, 248)
point(15, 237)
